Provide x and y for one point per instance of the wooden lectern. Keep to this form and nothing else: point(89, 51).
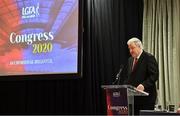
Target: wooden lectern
point(120, 99)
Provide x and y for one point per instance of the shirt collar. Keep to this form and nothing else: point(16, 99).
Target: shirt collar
point(140, 54)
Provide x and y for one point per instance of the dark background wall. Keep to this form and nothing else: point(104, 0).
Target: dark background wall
point(108, 24)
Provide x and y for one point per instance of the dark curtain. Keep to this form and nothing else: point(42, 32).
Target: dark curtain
point(108, 24)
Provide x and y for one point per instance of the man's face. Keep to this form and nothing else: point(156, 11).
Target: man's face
point(134, 50)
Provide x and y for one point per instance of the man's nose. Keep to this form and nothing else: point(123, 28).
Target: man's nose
point(130, 51)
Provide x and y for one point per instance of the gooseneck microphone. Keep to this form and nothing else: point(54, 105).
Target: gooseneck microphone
point(118, 76)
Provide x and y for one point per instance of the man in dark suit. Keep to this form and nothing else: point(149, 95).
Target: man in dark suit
point(141, 72)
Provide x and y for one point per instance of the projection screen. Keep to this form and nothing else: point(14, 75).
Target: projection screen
point(39, 37)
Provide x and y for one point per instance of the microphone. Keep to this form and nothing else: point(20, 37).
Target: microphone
point(118, 75)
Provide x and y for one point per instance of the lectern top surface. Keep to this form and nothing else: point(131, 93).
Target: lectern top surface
point(131, 90)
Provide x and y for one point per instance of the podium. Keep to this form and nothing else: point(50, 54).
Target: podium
point(120, 99)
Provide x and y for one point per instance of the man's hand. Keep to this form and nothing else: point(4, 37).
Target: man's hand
point(140, 87)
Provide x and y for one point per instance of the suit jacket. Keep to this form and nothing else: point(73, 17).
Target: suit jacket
point(145, 72)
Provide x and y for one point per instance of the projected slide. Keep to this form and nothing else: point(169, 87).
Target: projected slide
point(38, 37)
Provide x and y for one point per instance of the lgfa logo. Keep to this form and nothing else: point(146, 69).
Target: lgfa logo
point(30, 11)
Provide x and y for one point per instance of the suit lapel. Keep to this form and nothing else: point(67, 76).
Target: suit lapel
point(131, 63)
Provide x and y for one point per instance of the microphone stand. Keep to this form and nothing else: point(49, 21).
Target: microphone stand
point(119, 80)
point(118, 76)
point(115, 80)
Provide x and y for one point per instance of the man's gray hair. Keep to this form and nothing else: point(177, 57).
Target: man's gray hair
point(136, 41)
